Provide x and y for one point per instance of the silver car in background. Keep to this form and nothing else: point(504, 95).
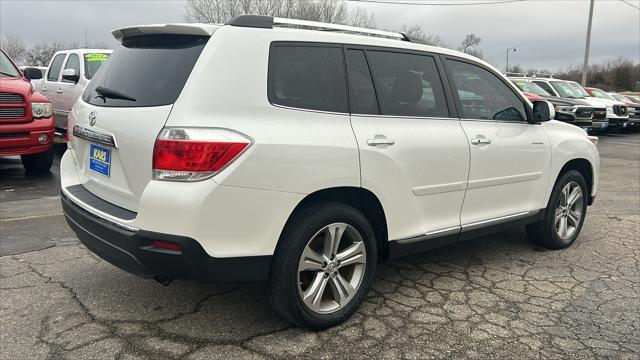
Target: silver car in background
point(68, 75)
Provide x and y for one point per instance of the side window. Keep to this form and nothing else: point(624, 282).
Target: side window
point(308, 77)
point(361, 91)
point(54, 68)
point(483, 95)
point(407, 84)
point(545, 86)
point(73, 62)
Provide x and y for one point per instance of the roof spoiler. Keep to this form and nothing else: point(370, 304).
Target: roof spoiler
point(175, 29)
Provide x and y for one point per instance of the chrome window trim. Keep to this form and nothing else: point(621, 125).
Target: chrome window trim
point(405, 117)
point(308, 110)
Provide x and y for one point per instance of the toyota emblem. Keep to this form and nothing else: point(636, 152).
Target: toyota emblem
point(92, 118)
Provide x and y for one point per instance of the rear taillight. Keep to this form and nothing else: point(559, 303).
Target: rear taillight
point(195, 154)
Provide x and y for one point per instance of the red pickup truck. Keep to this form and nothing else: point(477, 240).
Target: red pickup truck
point(26, 117)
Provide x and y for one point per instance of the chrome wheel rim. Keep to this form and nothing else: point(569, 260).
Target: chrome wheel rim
point(331, 268)
point(569, 211)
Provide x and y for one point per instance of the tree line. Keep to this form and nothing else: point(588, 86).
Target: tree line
point(611, 75)
point(41, 53)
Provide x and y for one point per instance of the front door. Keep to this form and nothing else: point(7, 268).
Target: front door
point(510, 158)
point(51, 88)
point(69, 89)
point(414, 156)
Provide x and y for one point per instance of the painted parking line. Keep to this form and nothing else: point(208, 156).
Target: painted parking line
point(31, 217)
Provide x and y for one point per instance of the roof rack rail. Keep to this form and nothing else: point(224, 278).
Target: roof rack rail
point(515, 74)
point(548, 76)
point(269, 22)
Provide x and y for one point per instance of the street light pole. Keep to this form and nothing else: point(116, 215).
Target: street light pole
point(585, 67)
point(509, 50)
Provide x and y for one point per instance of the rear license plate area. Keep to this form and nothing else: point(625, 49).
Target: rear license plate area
point(100, 160)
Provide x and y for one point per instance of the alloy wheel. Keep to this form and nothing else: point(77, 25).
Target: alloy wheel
point(569, 211)
point(331, 268)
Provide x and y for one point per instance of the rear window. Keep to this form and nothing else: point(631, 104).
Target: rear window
point(93, 62)
point(148, 70)
point(408, 84)
point(308, 77)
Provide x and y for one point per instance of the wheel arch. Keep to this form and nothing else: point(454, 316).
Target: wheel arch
point(360, 198)
point(584, 167)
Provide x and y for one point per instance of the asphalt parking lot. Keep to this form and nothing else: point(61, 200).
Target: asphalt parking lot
point(494, 297)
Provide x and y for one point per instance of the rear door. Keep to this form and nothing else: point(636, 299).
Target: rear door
point(414, 155)
point(129, 101)
point(510, 158)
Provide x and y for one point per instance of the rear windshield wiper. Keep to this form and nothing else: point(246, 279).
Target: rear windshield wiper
point(103, 92)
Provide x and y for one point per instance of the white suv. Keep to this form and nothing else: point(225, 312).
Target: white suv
point(296, 154)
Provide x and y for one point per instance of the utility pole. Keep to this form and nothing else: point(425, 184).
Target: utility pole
point(86, 42)
point(585, 67)
point(508, 51)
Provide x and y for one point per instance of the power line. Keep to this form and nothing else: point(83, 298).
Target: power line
point(633, 6)
point(396, 2)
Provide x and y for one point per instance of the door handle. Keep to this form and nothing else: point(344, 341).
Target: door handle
point(380, 141)
point(480, 141)
point(59, 91)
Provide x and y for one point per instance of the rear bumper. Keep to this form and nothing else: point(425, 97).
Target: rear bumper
point(133, 251)
point(22, 139)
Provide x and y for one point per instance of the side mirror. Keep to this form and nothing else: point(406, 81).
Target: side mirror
point(70, 75)
point(32, 73)
point(542, 111)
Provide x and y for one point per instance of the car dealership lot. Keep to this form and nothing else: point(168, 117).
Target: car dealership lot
point(496, 296)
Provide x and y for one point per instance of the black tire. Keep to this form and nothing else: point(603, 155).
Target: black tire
point(38, 163)
point(543, 232)
point(283, 292)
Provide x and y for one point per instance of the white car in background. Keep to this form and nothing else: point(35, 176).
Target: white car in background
point(68, 75)
point(616, 110)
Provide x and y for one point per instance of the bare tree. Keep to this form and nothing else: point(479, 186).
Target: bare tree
point(41, 53)
point(418, 33)
point(470, 42)
point(14, 47)
point(220, 11)
point(360, 17)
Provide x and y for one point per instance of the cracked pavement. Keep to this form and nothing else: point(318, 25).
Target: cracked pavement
point(492, 297)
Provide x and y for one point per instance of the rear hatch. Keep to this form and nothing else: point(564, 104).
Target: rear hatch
point(124, 108)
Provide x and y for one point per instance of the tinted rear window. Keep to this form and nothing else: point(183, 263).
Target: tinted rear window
point(407, 84)
point(308, 77)
point(152, 69)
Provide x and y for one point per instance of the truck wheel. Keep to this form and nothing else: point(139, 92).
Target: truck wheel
point(41, 162)
point(564, 215)
point(323, 266)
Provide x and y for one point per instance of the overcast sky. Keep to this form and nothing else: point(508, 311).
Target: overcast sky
point(547, 33)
